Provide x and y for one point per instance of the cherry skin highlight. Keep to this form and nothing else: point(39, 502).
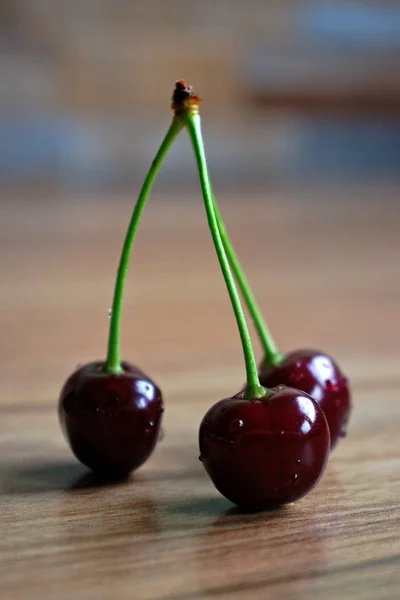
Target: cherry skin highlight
point(112, 422)
point(261, 453)
point(319, 376)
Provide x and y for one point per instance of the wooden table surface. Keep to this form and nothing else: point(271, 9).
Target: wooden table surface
point(325, 267)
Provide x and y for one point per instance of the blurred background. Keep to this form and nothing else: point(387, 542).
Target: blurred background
point(301, 118)
point(291, 89)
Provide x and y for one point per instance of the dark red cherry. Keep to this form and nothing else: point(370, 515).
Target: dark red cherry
point(261, 453)
point(319, 376)
point(112, 422)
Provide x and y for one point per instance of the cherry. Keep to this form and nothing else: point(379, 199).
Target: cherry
point(261, 453)
point(111, 411)
point(112, 422)
point(261, 448)
point(312, 372)
point(319, 376)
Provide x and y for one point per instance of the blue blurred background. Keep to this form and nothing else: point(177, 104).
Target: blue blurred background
point(292, 89)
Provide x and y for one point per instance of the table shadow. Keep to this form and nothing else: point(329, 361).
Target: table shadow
point(52, 476)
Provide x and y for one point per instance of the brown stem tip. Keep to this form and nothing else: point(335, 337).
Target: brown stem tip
point(183, 98)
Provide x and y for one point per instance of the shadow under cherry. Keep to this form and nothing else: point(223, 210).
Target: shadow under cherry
point(51, 476)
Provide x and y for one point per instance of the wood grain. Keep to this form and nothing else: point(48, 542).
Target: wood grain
point(325, 266)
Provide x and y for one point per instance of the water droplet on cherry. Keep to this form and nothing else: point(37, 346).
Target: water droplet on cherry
point(236, 425)
point(149, 427)
point(330, 386)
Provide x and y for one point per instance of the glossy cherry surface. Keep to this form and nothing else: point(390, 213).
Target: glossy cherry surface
point(265, 452)
point(319, 376)
point(112, 422)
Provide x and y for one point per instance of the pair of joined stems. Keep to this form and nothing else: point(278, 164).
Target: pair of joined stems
point(225, 253)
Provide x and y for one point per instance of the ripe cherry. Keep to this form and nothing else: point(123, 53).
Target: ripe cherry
point(264, 452)
point(319, 376)
point(261, 448)
point(111, 411)
point(312, 372)
point(112, 422)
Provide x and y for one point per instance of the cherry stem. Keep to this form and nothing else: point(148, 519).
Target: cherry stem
point(113, 361)
point(272, 355)
point(193, 124)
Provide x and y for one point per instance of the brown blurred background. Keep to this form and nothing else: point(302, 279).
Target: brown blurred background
point(291, 89)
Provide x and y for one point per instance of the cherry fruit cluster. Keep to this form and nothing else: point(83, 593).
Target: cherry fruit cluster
point(263, 447)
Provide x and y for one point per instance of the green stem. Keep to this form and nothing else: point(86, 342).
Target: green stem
point(253, 389)
point(272, 355)
point(113, 362)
